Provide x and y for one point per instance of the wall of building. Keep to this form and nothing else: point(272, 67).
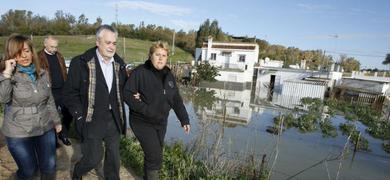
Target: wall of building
point(366, 85)
point(294, 91)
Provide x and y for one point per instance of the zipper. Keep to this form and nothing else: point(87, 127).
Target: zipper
point(35, 88)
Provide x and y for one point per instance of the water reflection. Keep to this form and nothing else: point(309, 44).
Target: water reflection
point(229, 127)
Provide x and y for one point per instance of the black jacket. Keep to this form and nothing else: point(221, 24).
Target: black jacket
point(157, 96)
point(76, 87)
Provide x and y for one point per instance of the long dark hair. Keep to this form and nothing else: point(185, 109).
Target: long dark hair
point(14, 46)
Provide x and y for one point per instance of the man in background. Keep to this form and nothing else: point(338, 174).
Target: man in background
point(53, 62)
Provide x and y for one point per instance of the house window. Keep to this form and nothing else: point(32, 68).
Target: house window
point(213, 56)
point(241, 58)
point(236, 110)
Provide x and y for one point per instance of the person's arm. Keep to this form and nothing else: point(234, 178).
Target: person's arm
point(179, 108)
point(139, 102)
point(71, 90)
point(5, 89)
point(5, 81)
point(131, 88)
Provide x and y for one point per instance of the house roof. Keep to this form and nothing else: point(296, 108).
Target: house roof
point(312, 82)
point(245, 46)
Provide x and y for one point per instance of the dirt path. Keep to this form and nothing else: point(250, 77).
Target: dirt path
point(66, 158)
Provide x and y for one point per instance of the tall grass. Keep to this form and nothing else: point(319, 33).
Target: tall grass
point(180, 163)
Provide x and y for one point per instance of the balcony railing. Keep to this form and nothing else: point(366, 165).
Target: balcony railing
point(229, 66)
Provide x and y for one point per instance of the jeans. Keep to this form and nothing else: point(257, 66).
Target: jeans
point(30, 153)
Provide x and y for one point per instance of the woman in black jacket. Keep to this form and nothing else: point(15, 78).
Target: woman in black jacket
point(151, 92)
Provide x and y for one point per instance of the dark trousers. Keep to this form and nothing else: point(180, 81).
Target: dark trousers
point(66, 120)
point(66, 117)
point(92, 150)
point(151, 138)
point(30, 153)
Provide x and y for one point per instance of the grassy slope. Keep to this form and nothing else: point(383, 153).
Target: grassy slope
point(135, 51)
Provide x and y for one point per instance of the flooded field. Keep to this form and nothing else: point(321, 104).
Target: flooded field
point(231, 125)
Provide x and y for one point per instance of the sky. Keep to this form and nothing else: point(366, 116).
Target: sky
point(357, 28)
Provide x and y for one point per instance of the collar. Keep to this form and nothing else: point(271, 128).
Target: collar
point(101, 59)
point(148, 64)
point(47, 52)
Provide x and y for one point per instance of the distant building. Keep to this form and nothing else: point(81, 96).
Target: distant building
point(235, 60)
point(294, 90)
point(365, 89)
point(367, 84)
point(286, 87)
point(271, 63)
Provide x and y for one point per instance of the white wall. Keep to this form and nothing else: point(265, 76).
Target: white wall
point(369, 86)
point(293, 92)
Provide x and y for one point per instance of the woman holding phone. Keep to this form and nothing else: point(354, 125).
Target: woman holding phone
point(30, 113)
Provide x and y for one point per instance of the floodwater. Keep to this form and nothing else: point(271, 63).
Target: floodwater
point(231, 124)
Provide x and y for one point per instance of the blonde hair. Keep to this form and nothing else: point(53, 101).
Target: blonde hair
point(158, 45)
point(14, 47)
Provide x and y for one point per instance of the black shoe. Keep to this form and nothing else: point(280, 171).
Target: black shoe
point(64, 139)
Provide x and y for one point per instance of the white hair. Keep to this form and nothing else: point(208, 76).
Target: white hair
point(105, 27)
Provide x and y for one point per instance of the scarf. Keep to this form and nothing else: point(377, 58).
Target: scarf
point(29, 70)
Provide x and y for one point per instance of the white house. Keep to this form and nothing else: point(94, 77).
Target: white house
point(235, 60)
point(271, 63)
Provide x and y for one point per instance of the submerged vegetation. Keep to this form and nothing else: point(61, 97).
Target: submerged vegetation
point(314, 113)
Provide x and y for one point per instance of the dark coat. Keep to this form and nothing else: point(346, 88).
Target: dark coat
point(45, 64)
point(77, 84)
point(157, 96)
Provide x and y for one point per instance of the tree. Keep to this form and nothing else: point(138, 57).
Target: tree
point(15, 21)
point(263, 45)
point(349, 63)
point(387, 60)
point(209, 29)
point(63, 23)
point(206, 72)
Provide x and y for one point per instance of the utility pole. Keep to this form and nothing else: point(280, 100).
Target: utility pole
point(173, 42)
point(173, 47)
point(116, 14)
point(124, 47)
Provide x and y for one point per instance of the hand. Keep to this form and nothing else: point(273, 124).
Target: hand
point(58, 128)
point(187, 128)
point(137, 96)
point(9, 67)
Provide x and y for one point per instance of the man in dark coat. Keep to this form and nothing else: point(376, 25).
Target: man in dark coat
point(93, 94)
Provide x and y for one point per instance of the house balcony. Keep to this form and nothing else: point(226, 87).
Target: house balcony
point(240, 67)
